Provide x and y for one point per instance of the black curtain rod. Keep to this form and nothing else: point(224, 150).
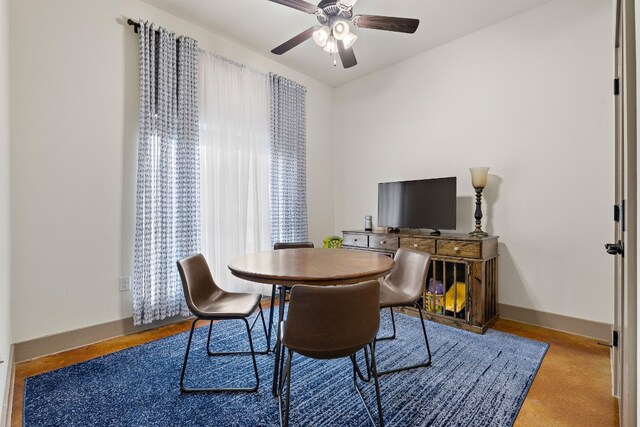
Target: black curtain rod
point(134, 24)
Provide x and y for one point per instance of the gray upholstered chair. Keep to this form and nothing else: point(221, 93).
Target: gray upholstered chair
point(208, 302)
point(330, 322)
point(403, 287)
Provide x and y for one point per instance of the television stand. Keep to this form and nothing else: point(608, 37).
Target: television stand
point(435, 232)
point(461, 288)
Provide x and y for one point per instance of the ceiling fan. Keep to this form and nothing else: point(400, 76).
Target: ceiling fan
point(333, 33)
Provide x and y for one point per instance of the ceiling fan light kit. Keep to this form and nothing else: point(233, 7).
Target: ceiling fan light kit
point(334, 34)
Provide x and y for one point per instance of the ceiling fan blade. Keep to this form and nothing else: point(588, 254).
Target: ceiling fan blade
point(298, 4)
point(347, 56)
point(293, 42)
point(387, 23)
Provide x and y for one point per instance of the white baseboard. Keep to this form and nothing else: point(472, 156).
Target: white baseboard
point(56, 343)
point(64, 341)
point(573, 325)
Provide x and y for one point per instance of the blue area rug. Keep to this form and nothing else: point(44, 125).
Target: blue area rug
point(475, 380)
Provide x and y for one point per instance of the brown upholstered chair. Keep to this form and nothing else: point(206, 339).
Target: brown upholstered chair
point(329, 323)
point(276, 246)
point(402, 287)
point(208, 302)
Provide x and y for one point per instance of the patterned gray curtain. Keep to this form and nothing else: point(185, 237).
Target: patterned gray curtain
point(167, 193)
point(288, 161)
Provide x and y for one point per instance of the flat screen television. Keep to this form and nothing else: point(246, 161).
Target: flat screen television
point(424, 203)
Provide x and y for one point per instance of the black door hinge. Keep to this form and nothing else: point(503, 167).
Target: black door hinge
point(616, 213)
point(616, 86)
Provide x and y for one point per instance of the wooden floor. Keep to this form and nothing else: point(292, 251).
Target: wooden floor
point(572, 388)
point(573, 385)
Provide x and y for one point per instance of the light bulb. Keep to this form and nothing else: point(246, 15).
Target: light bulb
point(321, 35)
point(340, 30)
point(349, 40)
point(332, 45)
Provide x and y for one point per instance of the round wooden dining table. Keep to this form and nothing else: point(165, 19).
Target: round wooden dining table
point(319, 267)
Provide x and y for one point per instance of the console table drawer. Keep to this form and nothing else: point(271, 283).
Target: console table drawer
point(383, 242)
point(457, 248)
point(361, 240)
point(424, 245)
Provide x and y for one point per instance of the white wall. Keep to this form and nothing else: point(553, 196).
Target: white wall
point(74, 107)
point(5, 226)
point(531, 97)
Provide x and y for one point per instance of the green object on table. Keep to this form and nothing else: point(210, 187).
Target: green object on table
point(333, 242)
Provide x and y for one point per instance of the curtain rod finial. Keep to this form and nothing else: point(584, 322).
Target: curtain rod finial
point(134, 24)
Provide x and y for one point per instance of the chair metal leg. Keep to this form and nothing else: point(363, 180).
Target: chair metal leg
point(281, 364)
point(276, 364)
point(286, 409)
point(374, 370)
point(393, 322)
point(426, 341)
point(377, 387)
point(283, 374)
point(264, 326)
point(357, 368)
point(238, 353)
point(424, 332)
point(186, 356)
point(255, 320)
point(185, 389)
point(271, 306)
point(286, 373)
point(276, 328)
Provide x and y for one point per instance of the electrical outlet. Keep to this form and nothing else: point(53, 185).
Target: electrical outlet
point(124, 283)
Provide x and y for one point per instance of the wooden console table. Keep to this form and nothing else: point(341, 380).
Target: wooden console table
point(462, 284)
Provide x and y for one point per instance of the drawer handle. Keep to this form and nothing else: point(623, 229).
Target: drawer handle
point(415, 245)
point(456, 248)
point(355, 240)
point(382, 242)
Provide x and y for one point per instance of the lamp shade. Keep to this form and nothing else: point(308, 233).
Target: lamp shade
point(349, 40)
point(479, 177)
point(321, 35)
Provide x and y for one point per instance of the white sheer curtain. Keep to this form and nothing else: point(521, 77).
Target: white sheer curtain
point(234, 158)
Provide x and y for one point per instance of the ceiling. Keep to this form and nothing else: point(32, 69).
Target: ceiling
point(262, 25)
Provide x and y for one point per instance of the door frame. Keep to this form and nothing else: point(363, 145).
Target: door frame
point(625, 356)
